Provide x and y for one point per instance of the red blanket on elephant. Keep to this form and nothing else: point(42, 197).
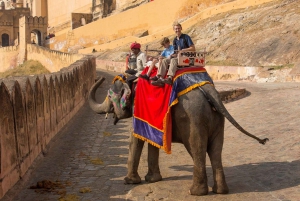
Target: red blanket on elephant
point(152, 120)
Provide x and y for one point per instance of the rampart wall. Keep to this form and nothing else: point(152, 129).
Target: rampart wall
point(33, 111)
point(102, 34)
point(130, 22)
point(8, 58)
point(167, 29)
point(51, 59)
point(229, 73)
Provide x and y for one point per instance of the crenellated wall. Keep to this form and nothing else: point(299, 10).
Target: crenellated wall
point(52, 60)
point(33, 110)
point(8, 58)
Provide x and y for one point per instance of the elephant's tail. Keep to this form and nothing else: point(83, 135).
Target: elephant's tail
point(215, 101)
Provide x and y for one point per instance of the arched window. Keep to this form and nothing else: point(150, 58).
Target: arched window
point(5, 40)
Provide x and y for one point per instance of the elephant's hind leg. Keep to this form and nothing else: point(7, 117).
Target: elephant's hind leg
point(215, 152)
point(197, 146)
point(135, 151)
point(153, 174)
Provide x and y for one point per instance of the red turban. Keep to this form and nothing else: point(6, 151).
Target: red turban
point(135, 46)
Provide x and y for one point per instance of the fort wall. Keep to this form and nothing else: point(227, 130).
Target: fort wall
point(229, 73)
point(8, 58)
point(129, 23)
point(164, 27)
point(102, 35)
point(33, 111)
point(51, 59)
point(60, 11)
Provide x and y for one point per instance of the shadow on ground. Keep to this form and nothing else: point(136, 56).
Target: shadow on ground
point(258, 177)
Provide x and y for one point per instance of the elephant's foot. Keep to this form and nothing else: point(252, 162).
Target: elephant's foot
point(198, 190)
point(153, 177)
point(221, 188)
point(132, 179)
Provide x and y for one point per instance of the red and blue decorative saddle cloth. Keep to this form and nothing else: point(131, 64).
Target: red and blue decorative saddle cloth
point(152, 120)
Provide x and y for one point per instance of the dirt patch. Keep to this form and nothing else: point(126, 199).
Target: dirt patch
point(46, 186)
point(85, 190)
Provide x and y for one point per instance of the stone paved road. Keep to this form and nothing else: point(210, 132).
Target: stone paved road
point(90, 154)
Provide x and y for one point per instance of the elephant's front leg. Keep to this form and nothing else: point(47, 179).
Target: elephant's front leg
point(153, 174)
point(135, 151)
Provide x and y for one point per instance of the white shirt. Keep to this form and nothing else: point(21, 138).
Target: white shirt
point(141, 62)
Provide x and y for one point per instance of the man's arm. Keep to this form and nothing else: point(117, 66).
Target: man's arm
point(144, 60)
point(191, 48)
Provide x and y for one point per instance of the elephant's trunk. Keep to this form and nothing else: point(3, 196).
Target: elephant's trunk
point(98, 108)
point(213, 96)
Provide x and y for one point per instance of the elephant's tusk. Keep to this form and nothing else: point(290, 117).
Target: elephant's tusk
point(106, 115)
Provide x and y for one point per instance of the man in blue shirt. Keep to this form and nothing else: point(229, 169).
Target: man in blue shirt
point(182, 43)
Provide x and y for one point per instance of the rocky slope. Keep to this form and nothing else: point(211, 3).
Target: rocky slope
point(266, 35)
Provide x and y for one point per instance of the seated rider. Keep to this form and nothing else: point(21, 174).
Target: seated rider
point(166, 54)
point(141, 62)
point(139, 57)
point(182, 42)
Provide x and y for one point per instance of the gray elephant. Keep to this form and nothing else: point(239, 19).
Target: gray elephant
point(198, 123)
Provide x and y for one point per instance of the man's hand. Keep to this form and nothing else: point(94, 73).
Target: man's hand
point(149, 58)
point(174, 55)
point(161, 57)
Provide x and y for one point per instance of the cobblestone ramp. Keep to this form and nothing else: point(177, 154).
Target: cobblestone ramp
point(87, 159)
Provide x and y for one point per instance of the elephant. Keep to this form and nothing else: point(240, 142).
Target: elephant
point(198, 121)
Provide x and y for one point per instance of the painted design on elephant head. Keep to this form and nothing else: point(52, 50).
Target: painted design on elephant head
point(121, 99)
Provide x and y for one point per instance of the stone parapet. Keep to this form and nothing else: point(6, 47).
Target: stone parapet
point(111, 65)
point(52, 60)
point(33, 111)
point(8, 58)
point(8, 49)
point(230, 73)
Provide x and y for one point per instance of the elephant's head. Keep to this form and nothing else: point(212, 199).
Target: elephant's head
point(117, 100)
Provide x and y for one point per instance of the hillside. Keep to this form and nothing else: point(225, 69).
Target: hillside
point(265, 35)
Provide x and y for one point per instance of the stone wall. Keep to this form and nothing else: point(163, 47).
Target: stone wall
point(131, 26)
point(111, 65)
point(229, 73)
point(60, 11)
point(51, 59)
point(33, 110)
point(8, 58)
